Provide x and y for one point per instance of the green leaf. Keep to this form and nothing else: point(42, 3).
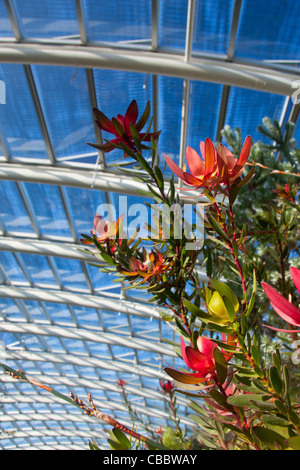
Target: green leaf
point(159, 177)
point(252, 298)
point(196, 310)
point(274, 420)
point(217, 228)
point(268, 437)
point(181, 328)
point(220, 399)
point(114, 442)
point(243, 400)
point(255, 354)
point(145, 165)
point(262, 405)
point(120, 436)
point(247, 177)
point(293, 442)
point(221, 366)
point(107, 259)
point(276, 380)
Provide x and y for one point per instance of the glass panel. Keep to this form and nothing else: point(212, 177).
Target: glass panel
point(170, 93)
point(83, 204)
point(20, 130)
point(118, 21)
point(48, 208)
point(70, 273)
point(203, 112)
point(38, 269)
point(65, 101)
point(172, 24)
point(36, 312)
point(12, 268)
point(86, 316)
point(12, 211)
point(246, 109)
point(59, 313)
point(48, 19)
point(5, 26)
point(9, 312)
point(269, 31)
point(212, 26)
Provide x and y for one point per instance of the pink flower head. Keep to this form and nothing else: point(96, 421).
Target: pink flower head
point(215, 167)
point(228, 166)
point(166, 387)
point(120, 127)
point(200, 360)
point(104, 230)
point(283, 307)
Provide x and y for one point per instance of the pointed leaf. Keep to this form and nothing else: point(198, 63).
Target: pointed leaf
point(276, 380)
point(217, 228)
point(221, 366)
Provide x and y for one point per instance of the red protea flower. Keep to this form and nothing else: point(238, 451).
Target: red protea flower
point(166, 387)
point(215, 167)
point(125, 128)
point(230, 168)
point(154, 265)
point(283, 307)
point(103, 230)
point(201, 360)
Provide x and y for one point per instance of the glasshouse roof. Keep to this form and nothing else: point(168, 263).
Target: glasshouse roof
point(202, 65)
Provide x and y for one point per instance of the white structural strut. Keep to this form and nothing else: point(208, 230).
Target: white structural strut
point(88, 335)
point(81, 300)
point(83, 178)
point(83, 361)
point(45, 248)
point(78, 178)
point(54, 248)
point(206, 69)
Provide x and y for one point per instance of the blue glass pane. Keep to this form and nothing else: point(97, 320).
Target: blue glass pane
point(9, 311)
point(70, 273)
point(113, 319)
point(203, 112)
point(19, 126)
point(247, 108)
point(12, 211)
point(5, 26)
point(47, 19)
point(65, 101)
point(38, 269)
point(36, 311)
point(12, 268)
point(172, 24)
point(118, 20)
point(115, 90)
point(269, 31)
point(86, 316)
point(101, 280)
point(212, 26)
point(48, 209)
point(170, 92)
point(83, 204)
point(59, 313)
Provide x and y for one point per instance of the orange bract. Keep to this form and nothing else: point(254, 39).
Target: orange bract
point(217, 166)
